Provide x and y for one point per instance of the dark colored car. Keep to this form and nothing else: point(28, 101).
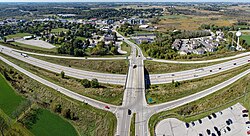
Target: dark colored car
point(219, 68)
point(193, 123)
point(248, 122)
point(208, 131)
point(229, 120)
point(129, 112)
point(234, 63)
point(187, 125)
point(200, 134)
point(244, 111)
point(211, 70)
point(244, 115)
point(228, 128)
point(200, 121)
point(134, 66)
point(214, 115)
point(209, 117)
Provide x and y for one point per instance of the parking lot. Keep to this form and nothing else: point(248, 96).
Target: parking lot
point(232, 121)
point(37, 43)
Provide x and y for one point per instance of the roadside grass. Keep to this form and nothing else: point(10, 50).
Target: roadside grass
point(33, 47)
point(58, 30)
point(81, 38)
point(126, 47)
point(91, 121)
point(167, 92)
point(104, 66)
point(247, 38)
point(9, 99)
point(224, 98)
point(18, 35)
point(132, 126)
point(161, 67)
point(50, 124)
point(112, 94)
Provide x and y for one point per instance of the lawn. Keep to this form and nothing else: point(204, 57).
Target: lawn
point(18, 35)
point(50, 124)
point(9, 100)
point(58, 30)
point(81, 38)
point(22, 45)
point(247, 38)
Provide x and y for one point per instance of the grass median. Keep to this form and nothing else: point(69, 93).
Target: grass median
point(224, 98)
point(112, 94)
point(86, 119)
point(104, 66)
point(160, 67)
point(168, 92)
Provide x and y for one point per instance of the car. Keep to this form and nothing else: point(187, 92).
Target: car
point(107, 107)
point(172, 75)
point(209, 117)
point(248, 132)
point(214, 115)
point(134, 66)
point(139, 55)
point(200, 134)
point(193, 123)
point(248, 122)
point(187, 125)
point(208, 131)
point(195, 75)
point(244, 111)
point(244, 115)
point(216, 129)
point(228, 128)
point(219, 68)
point(227, 122)
point(129, 112)
point(200, 121)
point(248, 128)
point(230, 121)
point(148, 58)
point(213, 134)
point(234, 63)
point(211, 70)
point(248, 60)
point(24, 55)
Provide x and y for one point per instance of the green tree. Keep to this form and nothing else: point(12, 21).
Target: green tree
point(86, 83)
point(3, 125)
point(62, 74)
point(94, 83)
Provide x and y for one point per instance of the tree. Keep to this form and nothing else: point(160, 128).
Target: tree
point(86, 83)
point(4, 39)
point(62, 74)
point(94, 83)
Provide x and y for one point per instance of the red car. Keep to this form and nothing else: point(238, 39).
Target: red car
point(248, 60)
point(107, 107)
point(248, 132)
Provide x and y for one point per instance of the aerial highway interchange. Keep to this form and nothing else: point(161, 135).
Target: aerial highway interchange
point(134, 100)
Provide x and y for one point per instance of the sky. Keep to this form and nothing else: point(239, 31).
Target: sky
point(124, 0)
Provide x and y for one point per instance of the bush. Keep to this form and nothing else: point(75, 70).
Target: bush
point(86, 83)
point(94, 83)
point(62, 74)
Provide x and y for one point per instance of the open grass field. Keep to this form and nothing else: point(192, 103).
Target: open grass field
point(58, 30)
point(9, 99)
point(18, 35)
point(188, 22)
point(167, 92)
point(50, 124)
point(224, 98)
point(105, 66)
point(112, 94)
point(33, 47)
point(91, 121)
